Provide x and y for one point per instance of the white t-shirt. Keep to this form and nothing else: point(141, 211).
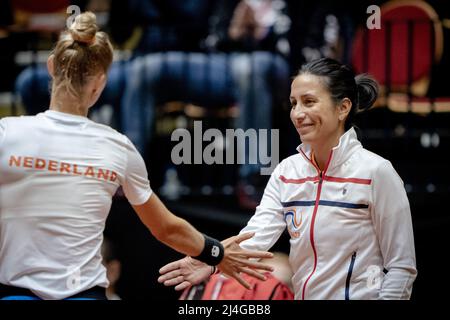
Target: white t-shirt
point(58, 173)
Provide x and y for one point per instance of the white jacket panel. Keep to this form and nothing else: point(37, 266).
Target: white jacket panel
point(350, 225)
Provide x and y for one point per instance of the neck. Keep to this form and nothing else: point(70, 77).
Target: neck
point(66, 103)
point(322, 150)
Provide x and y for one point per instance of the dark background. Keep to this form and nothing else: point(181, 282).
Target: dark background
point(395, 136)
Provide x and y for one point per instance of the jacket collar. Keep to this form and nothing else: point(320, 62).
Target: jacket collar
point(348, 144)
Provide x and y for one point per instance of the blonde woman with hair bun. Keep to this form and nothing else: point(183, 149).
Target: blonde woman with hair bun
point(58, 174)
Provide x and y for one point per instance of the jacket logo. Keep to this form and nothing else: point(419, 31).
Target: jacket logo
point(293, 222)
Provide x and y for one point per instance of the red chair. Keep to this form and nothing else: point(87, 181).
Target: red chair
point(401, 54)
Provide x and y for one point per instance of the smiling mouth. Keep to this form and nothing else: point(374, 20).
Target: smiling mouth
point(304, 126)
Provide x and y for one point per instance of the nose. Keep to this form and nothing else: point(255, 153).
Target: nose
point(298, 113)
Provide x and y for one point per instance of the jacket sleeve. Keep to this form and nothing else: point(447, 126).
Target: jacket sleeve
point(391, 217)
point(268, 221)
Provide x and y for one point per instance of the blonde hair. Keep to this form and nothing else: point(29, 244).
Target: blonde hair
point(80, 52)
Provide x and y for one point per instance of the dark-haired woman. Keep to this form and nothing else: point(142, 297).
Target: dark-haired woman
point(345, 207)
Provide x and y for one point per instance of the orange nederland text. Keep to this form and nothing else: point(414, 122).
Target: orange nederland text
point(62, 167)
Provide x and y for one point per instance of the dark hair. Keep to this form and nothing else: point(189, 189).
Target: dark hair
point(341, 82)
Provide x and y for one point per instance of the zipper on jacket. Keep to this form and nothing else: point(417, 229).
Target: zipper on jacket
point(311, 232)
point(349, 276)
point(313, 219)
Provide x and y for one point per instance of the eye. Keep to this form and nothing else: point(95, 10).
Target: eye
point(309, 102)
point(293, 104)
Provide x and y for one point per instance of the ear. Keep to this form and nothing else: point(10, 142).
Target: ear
point(344, 109)
point(51, 65)
point(97, 84)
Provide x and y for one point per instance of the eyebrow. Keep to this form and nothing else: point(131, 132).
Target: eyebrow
point(306, 95)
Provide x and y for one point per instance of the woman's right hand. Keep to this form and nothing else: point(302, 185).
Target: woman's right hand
point(187, 272)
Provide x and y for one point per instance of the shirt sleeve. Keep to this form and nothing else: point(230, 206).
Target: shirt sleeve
point(136, 185)
point(391, 217)
point(268, 221)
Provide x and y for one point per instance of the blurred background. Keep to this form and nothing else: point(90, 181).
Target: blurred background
point(228, 63)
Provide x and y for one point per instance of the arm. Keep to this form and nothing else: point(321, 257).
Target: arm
point(168, 228)
point(165, 226)
point(188, 271)
point(178, 233)
point(391, 217)
point(268, 222)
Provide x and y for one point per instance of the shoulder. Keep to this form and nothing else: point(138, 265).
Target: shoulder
point(18, 121)
point(372, 160)
point(379, 166)
point(107, 130)
point(128, 148)
point(111, 133)
point(293, 167)
point(289, 162)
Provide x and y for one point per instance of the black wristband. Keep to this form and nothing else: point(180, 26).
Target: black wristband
point(212, 253)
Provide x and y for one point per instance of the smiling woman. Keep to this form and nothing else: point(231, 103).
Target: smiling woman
point(355, 237)
point(325, 96)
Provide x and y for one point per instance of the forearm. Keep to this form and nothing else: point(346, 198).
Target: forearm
point(171, 230)
point(182, 237)
point(267, 224)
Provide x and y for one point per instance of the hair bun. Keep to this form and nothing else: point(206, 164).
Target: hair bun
point(367, 91)
point(84, 28)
